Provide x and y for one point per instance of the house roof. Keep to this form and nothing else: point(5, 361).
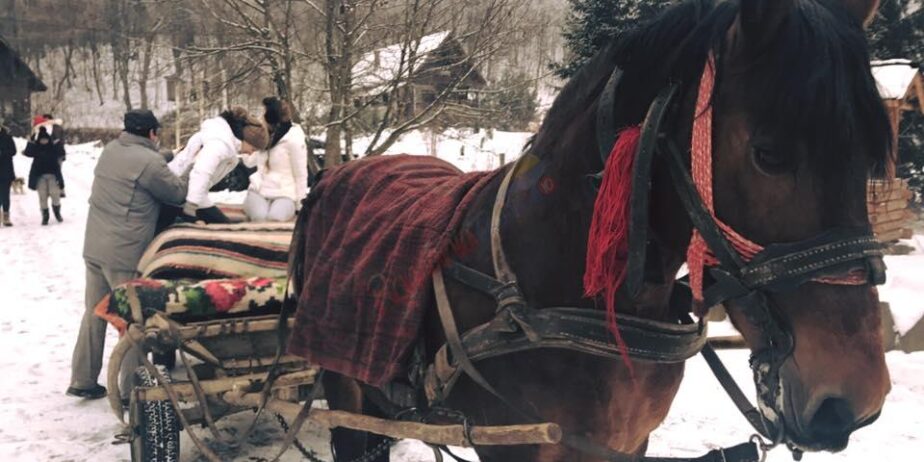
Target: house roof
point(894, 77)
point(377, 69)
point(13, 67)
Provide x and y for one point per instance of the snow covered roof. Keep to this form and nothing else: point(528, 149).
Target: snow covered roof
point(378, 68)
point(894, 77)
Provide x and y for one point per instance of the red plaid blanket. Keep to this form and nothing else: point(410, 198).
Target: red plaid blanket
point(370, 236)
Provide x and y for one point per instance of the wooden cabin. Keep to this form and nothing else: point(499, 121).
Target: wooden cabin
point(901, 86)
point(17, 83)
point(439, 61)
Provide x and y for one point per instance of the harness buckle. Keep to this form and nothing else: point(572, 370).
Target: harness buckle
point(762, 446)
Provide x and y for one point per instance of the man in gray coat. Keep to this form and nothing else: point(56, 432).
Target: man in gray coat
point(131, 182)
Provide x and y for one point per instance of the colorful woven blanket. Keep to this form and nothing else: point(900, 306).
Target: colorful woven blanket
point(371, 234)
point(189, 301)
point(218, 252)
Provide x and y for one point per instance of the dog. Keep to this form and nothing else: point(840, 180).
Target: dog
point(18, 185)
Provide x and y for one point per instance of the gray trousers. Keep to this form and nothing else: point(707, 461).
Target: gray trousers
point(48, 187)
point(260, 209)
point(87, 361)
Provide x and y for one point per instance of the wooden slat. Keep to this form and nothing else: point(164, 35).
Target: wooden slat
point(890, 194)
point(884, 217)
point(248, 363)
point(230, 326)
point(890, 206)
point(216, 386)
point(895, 235)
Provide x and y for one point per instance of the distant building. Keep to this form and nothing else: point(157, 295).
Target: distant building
point(901, 87)
point(439, 61)
point(17, 83)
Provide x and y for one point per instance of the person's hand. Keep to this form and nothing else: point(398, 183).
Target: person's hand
point(189, 209)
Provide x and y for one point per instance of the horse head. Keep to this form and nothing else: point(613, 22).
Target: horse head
point(799, 127)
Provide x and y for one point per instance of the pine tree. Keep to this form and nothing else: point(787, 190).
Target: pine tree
point(591, 24)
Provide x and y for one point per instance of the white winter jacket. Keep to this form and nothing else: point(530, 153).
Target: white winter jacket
point(282, 171)
point(212, 153)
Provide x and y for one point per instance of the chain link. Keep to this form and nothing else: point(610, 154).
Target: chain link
point(370, 455)
point(308, 453)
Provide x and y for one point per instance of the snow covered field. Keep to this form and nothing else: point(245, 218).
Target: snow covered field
point(41, 282)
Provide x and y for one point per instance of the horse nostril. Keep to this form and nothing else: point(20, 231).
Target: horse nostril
point(833, 421)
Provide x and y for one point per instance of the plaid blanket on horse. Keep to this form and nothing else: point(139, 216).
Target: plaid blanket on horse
point(367, 241)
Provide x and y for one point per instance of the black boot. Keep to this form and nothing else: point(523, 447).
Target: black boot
point(44, 217)
point(57, 210)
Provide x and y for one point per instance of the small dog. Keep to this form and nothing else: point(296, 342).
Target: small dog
point(18, 184)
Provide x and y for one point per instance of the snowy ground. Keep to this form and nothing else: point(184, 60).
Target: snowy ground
point(42, 276)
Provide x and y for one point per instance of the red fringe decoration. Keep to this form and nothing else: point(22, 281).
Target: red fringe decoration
point(608, 242)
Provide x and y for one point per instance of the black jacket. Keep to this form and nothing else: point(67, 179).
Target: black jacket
point(47, 159)
point(7, 151)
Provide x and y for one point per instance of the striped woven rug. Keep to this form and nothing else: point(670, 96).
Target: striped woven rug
point(241, 250)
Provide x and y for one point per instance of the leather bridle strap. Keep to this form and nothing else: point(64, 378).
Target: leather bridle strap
point(641, 186)
point(606, 116)
point(696, 210)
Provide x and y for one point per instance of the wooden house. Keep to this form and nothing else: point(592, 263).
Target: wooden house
point(17, 83)
point(416, 75)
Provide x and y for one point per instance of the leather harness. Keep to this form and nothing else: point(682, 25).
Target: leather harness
point(517, 326)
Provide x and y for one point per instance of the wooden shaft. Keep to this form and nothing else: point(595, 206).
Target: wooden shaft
point(728, 342)
point(451, 435)
point(184, 390)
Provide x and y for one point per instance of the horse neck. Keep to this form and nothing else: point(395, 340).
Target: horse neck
point(547, 219)
point(550, 207)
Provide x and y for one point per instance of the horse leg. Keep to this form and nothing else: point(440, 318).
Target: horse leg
point(345, 394)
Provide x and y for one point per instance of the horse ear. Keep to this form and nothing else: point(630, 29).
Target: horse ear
point(759, 21)
point(864, 10)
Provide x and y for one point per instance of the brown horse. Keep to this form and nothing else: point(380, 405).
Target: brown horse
point(798, 128)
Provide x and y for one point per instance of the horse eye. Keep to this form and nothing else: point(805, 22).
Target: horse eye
point(770, 161)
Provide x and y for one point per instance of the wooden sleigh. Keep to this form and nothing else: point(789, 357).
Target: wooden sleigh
point(230, 365)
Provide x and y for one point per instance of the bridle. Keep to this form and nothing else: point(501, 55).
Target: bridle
point(744, 274)
point(838, 256)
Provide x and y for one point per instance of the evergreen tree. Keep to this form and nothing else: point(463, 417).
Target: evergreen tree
point(591, 24)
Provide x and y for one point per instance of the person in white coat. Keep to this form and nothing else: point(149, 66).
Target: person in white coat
point(211, 154)
point(281, 180)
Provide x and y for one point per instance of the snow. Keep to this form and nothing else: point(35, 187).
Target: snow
point(42, 276)
point(469, 150)
point(903, 289)
point(893, 77)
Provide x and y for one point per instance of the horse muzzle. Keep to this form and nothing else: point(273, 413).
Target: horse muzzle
point(825, 428)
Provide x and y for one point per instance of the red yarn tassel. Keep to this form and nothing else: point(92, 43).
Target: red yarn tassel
point(608, 242)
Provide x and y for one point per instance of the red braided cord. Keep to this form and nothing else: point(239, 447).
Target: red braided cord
point(698, 254)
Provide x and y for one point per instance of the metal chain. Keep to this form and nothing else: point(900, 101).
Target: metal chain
point(308, 453)
point(370, 455)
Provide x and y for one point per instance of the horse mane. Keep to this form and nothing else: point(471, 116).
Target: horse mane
point(813, 80)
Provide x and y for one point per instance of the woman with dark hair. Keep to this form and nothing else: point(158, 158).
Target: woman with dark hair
point(45, 175)
point(7, 174)
point(281, 180)
point(211, 154)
